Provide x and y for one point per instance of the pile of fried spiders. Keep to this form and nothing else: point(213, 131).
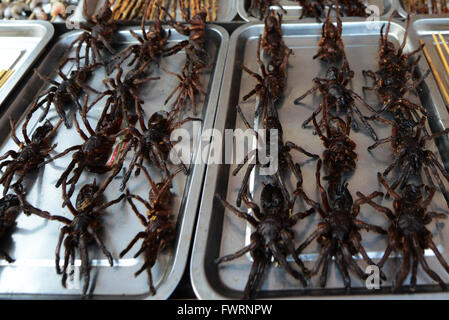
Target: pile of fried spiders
point(309, 8)
point(124, 139)
point(340, 231)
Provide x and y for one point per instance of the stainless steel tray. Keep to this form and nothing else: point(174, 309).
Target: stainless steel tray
point(226, 9)
point(423, 29)
point(219, 232)
point(34, 241)
point(294, 10)
point(29, 37)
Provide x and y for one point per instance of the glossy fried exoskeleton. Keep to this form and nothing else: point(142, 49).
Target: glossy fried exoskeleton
point(160, 227)
point(284, 158)
point(353, 8)
point(260, 8)
point(9, 208)
point(271, 82)
point(122, 95)
point(82, 229)
point(188, 88)
point(311, 8)
point(338, 233)
point(408, 234)
point(272, 237)
point(153, 143)
point(394, 77)
point(272, 41)
point(330, 46)
point(32, 153)
point(151, 44)
point(63, 93)
point(336, 96)
point(413, 159)
point(98, 34)
point(194, 47)
point(92, 154)
point(339, 156)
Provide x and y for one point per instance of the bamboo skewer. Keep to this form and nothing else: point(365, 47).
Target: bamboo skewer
point(440, 52)
point(436, 75)
point(161, 13)
point(173, 8)
point(6, 76)
point(208, 7)
point(214, 10)
point(446, 47)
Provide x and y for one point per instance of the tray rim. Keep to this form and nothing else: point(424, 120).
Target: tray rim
point(187, 225)
point(48, 32)
point(199, 280)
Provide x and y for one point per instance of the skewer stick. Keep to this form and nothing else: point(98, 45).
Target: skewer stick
point(208, 7)
point(6, 77)
point(148, 11)
point(446, 47)
point(173, 8)
point(436, 75)
point(214, 10)
point(161, 13)
point(131, 5)
point(440, 52)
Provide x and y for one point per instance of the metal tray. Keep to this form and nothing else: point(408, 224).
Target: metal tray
point(219, 232)
point(294, 10)
point(30, 37)
point(34, 240)
point(226, 9)
point(423, 29)
point(46, 7)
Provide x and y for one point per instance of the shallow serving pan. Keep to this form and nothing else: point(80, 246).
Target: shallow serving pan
point(380, 8)
point(220, 233)
point(27, 37)
point(33, 242)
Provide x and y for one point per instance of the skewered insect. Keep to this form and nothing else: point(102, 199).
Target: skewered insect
point(338, 233)
point(272, 42)
point(272, 237)
point(311, 9)
point(31, 155)
point(408, 234)
point(160, 228)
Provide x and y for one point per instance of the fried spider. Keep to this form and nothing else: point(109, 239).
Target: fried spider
point(9, 208)
point(272, 237)
point(408, 234)
point(188, 88)
point(284, 158)
point(330, 46)
point(338, 233)
point(311, 8)
point(80, 231)
point(31, 155)
point(271, 82)
point(354, 8)
point(412, 158)
point(272, 42)
point(154, 143)
point(123, 97)
point(260, 8)
point(195, 46)
point(92, 154)
point(98, 34)
point(339, 157)
point(160, 227)
point(336, 95)
point(151, 44)
point(63, 93)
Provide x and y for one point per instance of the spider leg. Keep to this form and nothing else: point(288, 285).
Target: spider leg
point(255, 277)
point(310, 91)
point(280, 258)
point(252, 246)
point(67, 252)
point(244, 187)
point(314, 114)
point(343, 270)
point(379, 142)
point(140, 235)
point(291, 145)
point(405, 267)
point(102, 246)
point(313, 236)
point(288, 242)
point(62, 233)
point(362, 251)
point(439, 256)
point(85, 263)
point(351, 263)
point(238, 213)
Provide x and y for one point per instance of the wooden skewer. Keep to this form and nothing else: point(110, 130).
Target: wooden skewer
point(208, 7)
point(161, 13)
point(131, 5)
point(440, 52)
point(149, 7)
point(436, 75)
point(214, 10)
point(6, 77)
point(173, 8)
point(2, 73)
point(446, 47)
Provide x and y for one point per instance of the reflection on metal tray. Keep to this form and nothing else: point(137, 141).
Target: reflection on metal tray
point(22, 43)
point(219, 232)
point(294, 9)
point(34, 240)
